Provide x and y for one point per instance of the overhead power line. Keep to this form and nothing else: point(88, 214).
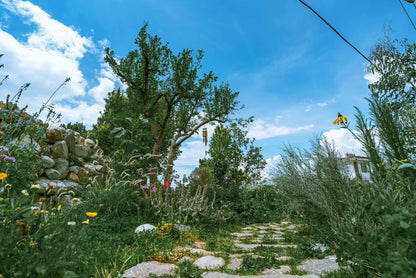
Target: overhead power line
point(330, 26)
point(404, 9)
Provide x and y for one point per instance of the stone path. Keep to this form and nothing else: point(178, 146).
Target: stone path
point(255, 243)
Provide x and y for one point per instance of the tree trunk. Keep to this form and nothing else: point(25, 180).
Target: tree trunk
point(171, 156)
point(154, 168)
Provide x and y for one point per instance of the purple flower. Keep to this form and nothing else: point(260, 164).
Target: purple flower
point(144, 187)
point(154, 189)
point(3, 149)
point(9, 158)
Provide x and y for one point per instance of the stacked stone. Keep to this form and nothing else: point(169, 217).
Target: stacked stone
point(70, 158)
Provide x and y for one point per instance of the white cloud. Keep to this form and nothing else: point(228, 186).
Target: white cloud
point(262, 130)
point(322, 104)
point(271, 163)
point(372, 77)
point(45, 57)
point(308, 108)
point(192, 152)
point(343, 141)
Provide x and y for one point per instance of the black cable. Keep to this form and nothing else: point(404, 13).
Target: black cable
point(404, 9)
point(345, 40)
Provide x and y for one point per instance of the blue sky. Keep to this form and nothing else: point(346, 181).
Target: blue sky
point(293, 73)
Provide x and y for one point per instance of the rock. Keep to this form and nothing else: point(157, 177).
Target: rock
point(54, 134)
point(60, 149)
point(209, 262)
point(147, 268)
point(90, 168)
point(47, 162)
point(79, 161)
point(27, 143)
point(81, 140)
point(235, 264)
point(52, 174)
point(70, 141)
point(61, 165)
point(320, 266)
point(144, 227)
point(74, 169)
point(57, 184)
point(89, 143)
point(81, 151)
point(99, 168)
point(73, 177)
point(83, 174)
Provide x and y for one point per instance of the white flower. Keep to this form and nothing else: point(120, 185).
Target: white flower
point(71, 223)
point(24, 192)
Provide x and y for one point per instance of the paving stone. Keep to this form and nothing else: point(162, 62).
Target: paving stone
point(235, 264)
point(195, 250)
point(147, 268)
point(315, 266)
point(242, 234)
point(210, 262)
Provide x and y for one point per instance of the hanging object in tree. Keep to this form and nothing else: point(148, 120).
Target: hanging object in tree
point(205, 135)
point(410, 1)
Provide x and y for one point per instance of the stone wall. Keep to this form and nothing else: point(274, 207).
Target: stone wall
point(69, 159)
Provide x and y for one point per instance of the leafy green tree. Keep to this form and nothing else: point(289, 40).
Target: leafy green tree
point(394, 63)
point(78, 127)
point(234, 160)
point(168, 92)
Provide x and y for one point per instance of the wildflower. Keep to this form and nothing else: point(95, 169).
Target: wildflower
point(24, 192)
point(340, 120)
point(154, 189)
point(71, 223)
point(3, 149)
point(59, 207)
point(86, 221)
point(167, 184)
point(91, 214)
point(1, 199)
point(3, 176)
point(9, 158)
point(144, 187)
point(35, 187)
point(7, 186)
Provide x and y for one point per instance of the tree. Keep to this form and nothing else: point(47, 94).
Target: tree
point(234, 160)
point(394, 63)
point(168, 91)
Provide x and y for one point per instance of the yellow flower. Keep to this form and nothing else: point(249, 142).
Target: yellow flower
point(3, 176)
point(1, 199)
point(59, 207)
point(340, 120)
point(86, 221)
point(91, 214)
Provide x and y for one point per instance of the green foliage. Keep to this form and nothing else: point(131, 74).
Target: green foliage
point(179, 205)
point(77, 127)
point(168, 93)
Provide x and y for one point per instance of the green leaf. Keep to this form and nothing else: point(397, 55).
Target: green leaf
point(404, 225)
point(407, 166)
